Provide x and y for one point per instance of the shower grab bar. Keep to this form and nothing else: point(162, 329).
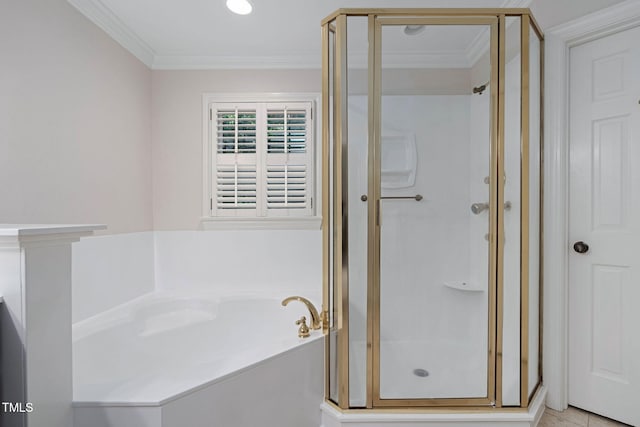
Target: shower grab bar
point(417, 197)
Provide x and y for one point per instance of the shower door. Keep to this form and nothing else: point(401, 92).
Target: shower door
point(433, 213)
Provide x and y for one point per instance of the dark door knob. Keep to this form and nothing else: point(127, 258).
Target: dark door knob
point(580, 247)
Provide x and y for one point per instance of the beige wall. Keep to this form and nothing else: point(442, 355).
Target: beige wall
point(75, 127)
point(77, 116)
point(177, 132)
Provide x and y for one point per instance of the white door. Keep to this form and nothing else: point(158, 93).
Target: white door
point(604, 271)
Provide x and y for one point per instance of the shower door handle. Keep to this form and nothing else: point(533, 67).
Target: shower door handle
point(417, 197)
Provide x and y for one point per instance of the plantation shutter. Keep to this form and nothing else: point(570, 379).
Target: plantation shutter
point(262, 159)
point(288, 159)
point(236, 171)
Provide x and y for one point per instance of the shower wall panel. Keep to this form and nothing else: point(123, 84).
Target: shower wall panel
point(511, 322)
point(425, 246)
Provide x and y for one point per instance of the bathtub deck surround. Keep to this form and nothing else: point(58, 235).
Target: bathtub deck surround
point(109, 270)
point(286, 262)
point(145, 363)
point(35, 335)
point(139, 356)
point(260, 395)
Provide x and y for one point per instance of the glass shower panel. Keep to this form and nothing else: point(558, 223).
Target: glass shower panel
point(358, 139)
point(434, 212)
point(332, 338)
point(511, 216)
point(534, 209)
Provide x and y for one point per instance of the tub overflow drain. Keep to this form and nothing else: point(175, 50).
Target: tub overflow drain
point(421, 372)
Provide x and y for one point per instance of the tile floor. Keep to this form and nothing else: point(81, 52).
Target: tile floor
point(574, 417)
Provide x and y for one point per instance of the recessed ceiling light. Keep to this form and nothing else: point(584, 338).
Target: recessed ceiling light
point(412, 30)
point(241, 7)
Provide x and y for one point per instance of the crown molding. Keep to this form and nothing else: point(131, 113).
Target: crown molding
point(480, 45)
point(104, 18)
point(598, 24)
point(187, 62)
point(516, 3)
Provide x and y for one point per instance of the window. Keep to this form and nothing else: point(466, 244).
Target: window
point(260, 163)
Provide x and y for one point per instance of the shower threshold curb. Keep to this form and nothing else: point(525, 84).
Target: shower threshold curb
point(332, 417)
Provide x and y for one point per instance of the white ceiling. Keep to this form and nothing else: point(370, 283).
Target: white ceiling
point(201, 34)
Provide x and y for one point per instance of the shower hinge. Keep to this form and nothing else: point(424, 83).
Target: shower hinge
point(210, 115)
point(211, 204)
point(312, 203)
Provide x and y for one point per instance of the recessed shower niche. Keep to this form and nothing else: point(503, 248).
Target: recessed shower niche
point(432, 200)
point(399, 160)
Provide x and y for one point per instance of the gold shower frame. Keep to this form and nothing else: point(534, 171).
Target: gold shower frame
point(336, 24)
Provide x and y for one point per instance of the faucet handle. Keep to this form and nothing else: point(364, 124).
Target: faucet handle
point(303, 330)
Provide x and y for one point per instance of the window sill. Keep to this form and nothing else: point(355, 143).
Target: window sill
point(287, 223)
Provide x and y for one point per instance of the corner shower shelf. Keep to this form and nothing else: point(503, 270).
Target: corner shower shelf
point(464, 286)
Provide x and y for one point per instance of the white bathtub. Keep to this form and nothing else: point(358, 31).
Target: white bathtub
point(167, 360)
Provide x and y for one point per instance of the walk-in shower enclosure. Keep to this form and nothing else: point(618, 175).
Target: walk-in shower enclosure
point(431, 127)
